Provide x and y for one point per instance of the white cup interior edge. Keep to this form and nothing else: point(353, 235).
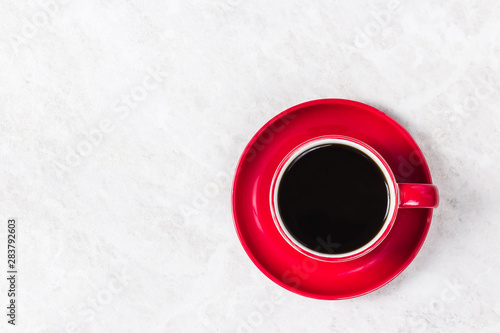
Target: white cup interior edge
point(391, 210)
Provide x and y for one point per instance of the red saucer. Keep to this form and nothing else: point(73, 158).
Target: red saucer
point(252, 213)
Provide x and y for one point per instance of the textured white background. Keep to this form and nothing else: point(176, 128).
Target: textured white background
point(131, 230)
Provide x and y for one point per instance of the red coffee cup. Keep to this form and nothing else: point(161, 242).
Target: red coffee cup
point(400, 196)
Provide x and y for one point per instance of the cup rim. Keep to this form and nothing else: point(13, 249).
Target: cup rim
point(393, 194)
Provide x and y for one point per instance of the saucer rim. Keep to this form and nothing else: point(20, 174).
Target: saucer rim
point(335, 102)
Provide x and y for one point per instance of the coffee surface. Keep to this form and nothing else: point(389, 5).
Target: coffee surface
point(333, 199)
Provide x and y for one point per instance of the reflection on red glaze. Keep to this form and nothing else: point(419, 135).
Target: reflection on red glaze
point(418, 195)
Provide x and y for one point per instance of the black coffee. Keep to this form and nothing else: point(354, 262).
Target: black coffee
point(333, 199)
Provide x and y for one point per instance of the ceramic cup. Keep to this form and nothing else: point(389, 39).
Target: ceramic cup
point(399, 196)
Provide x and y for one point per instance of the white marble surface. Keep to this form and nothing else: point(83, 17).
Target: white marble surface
point(129, 228)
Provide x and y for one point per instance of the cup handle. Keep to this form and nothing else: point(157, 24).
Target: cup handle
point(418, 196)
